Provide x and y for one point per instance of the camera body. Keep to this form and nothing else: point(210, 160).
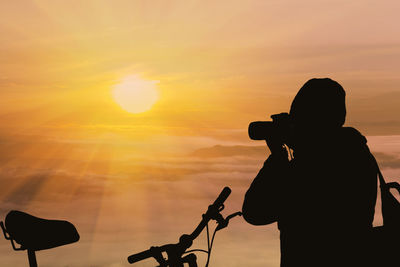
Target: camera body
point(279, 128)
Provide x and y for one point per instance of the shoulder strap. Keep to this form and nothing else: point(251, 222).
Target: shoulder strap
point(382, 181)
point(390, 206)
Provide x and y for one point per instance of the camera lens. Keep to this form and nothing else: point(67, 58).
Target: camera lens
point(259, 130)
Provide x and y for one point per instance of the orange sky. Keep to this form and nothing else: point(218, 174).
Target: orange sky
point(70, 151)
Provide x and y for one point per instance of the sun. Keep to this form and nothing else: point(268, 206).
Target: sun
point(135, 94)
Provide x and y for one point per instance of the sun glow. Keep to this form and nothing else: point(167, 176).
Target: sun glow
point(135, 95)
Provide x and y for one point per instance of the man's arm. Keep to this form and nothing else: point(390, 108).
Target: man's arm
point(261, 202)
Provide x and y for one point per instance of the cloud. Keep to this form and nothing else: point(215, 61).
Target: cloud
point(248, 155)
point(386, 160)
point(375, 114)
point(230, 151)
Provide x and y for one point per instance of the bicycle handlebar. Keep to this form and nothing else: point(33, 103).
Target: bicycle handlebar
point(222, 197)
point(186, 240)
point(139, 256)
point(213, 208)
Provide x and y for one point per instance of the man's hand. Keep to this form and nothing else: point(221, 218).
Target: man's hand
point(276, 147)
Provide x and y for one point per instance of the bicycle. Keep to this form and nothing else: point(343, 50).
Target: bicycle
point(177, 254)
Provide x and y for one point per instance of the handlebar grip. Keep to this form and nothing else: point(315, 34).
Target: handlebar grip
point(222, 197)
point(139, 256)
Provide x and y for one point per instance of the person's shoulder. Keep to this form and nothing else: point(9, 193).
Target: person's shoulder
point(352, 135)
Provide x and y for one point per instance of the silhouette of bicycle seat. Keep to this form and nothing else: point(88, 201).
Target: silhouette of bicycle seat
point(33, 233)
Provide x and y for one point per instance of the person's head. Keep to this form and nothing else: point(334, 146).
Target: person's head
point(319, 107)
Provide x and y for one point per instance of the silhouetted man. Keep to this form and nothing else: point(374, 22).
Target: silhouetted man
point(323, 199)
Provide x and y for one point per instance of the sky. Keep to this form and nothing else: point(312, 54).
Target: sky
point(72, 150)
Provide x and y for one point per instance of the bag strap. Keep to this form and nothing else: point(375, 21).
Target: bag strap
point(382, 182)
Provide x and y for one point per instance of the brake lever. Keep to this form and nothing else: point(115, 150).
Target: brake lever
point(157, 255)
point(224, 223)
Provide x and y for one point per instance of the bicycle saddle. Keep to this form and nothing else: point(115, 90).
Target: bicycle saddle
point(34, 233)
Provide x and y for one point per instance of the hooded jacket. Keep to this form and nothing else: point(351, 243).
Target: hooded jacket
point(323, 200)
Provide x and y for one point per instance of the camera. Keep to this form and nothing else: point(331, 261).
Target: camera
point(279, 127)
